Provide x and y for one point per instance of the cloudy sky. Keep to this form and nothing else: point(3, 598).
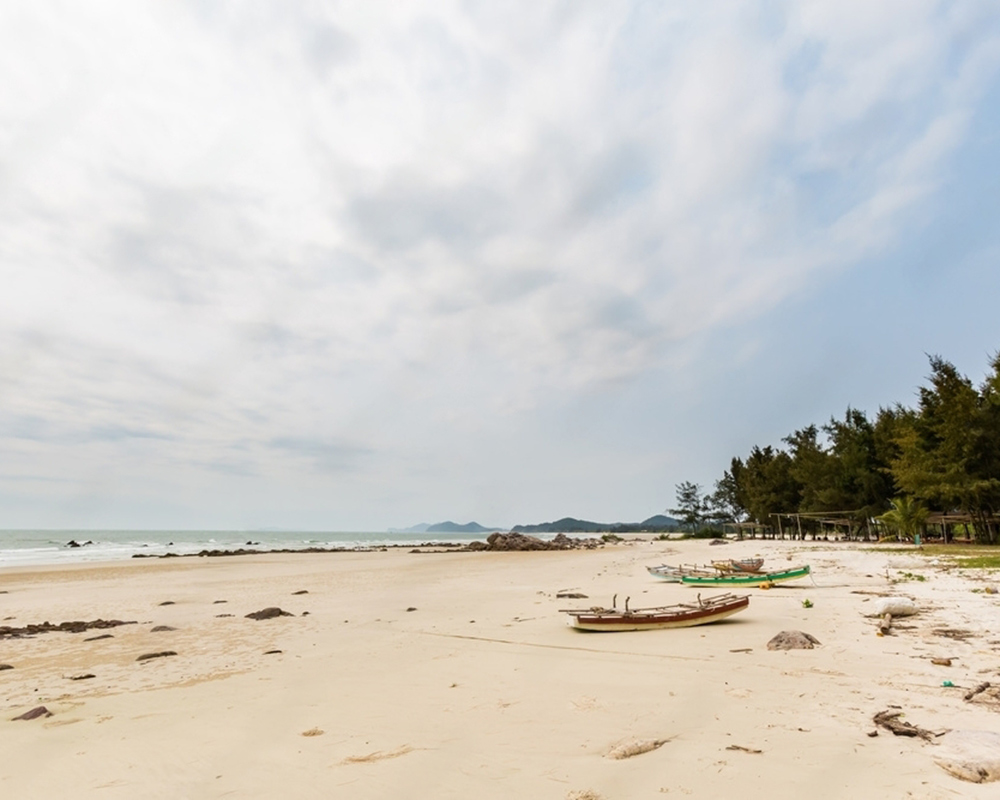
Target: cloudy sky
point(350, 265)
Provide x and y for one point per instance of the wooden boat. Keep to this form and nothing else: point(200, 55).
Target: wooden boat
point(672, 574)
point(679, 615)
point(739, 565)
point(742, 580)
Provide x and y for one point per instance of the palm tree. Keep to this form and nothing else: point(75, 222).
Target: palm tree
point(906, 516)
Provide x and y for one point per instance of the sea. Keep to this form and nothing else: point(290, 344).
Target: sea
point(28, 548)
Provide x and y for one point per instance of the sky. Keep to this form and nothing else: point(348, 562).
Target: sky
point(358, 265)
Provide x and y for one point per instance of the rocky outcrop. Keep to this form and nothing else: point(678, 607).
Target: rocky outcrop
point(519, 541)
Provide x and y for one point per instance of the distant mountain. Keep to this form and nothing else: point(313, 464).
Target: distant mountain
point(656, 524)
point(564, 525)
point(661, 521)
point(454, 527)
point(421, 528)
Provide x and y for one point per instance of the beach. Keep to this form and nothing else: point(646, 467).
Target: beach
point(453, 674)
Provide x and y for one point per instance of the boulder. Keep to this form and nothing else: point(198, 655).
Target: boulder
point(35, 713)
point(793, 640)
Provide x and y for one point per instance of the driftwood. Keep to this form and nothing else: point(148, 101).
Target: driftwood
point(885, 626)
point(979, 689)
point(891, 722)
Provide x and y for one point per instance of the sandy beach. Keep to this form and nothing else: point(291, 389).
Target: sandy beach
point(453, 675)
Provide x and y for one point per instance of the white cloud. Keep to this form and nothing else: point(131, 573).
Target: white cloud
point(228, 229)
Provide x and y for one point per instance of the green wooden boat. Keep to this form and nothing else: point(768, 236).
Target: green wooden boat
point(757, 579)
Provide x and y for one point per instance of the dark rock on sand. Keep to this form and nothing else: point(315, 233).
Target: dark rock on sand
point(268, 613)
point(35, 713)
point(102, 636)
point(571, 595)
point(301, 591)
point(5, 666)
point(793, 640)
point(216, 602)
point(223, 615)
point(76, 626)
point(161, 654)
point(159, 628)
point(271, 652)
point(412, 608)
point(83, 677)
point(167, 603)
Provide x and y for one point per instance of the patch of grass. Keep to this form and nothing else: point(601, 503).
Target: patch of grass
point(991, 561)
point(909, 576)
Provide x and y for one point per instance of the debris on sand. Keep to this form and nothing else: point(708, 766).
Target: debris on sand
point(793, 640)
point(161, 654)
point(635, 747)
point(268, 613)
point(941, 662)
point(35, 713)
point(571, 595)
point(742, 749)
point(890, 720)
point(970, 755)
point(301, 591)
point(378, 755)
point(160, 628)
point(88, 676)
point(5, 666)
point(76, 626)
point(313, 732)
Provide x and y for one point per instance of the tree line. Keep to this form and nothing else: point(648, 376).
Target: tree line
point(942, 456)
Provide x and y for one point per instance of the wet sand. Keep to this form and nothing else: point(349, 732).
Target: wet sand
point(483, 690)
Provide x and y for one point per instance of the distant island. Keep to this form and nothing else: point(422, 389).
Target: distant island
point(655, 524)
point(447, 527)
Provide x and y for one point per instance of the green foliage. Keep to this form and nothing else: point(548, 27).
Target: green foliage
point(691, 507)
point(807, 603)
point(942, 456)
point(906, 517)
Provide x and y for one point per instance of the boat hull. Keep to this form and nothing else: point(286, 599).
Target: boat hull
point(762, 579)
point(657, 619)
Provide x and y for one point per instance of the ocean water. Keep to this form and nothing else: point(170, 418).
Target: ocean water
point(23, 548)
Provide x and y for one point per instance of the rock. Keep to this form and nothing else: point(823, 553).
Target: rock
point(571, 595)
point(5, 666)
point(35, 713)
point(216, 602)
point(271, 652)
point(73, 543)
point(474, 546)
point(88, 676)
point(793, 640)
point(102, 636)
point(412, 608)
point(159, 628)
point(718, 541)
point(167, 603)
point(897, 606)
point(970, 755)
point(161, 654)
point(223, 615)
point(268, 613)
point(301, 591)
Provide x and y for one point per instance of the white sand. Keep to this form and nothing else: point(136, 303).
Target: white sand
point(483, 691)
